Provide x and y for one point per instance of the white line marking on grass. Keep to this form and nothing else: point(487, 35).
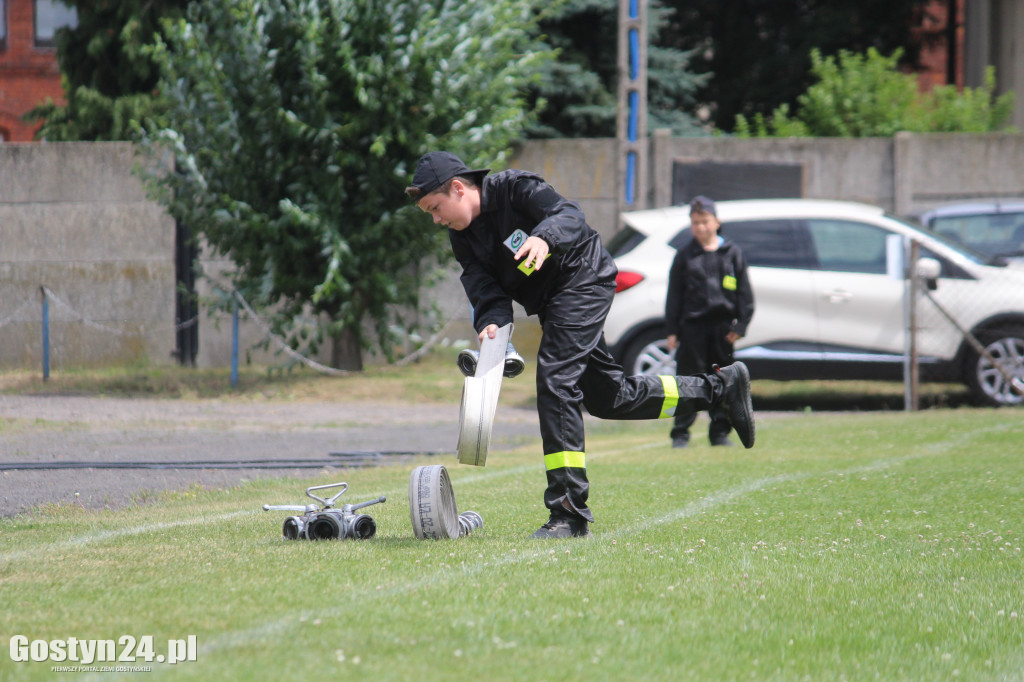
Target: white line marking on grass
point(100, 536)
point(730, 494)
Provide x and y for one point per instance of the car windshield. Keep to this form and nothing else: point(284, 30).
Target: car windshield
point(965, 249)
point(995, 234)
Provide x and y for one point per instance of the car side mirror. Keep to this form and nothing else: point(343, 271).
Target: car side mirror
point(928, 270)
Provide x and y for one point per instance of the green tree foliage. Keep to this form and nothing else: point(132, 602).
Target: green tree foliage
point(108, 80)
point(296, 124)
point(579, 90)
point(758, 51)
point(868, 96)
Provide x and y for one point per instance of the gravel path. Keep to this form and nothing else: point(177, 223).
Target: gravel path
point(62, 429)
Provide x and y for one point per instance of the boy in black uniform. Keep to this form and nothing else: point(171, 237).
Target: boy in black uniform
point(708, 308)
point(518, 239)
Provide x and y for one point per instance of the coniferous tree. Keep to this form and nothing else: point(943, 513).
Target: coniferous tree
point(580, 89)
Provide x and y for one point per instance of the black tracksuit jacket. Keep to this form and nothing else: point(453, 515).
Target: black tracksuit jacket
point(709, 286)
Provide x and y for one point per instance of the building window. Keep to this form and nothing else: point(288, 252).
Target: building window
point(51, 16)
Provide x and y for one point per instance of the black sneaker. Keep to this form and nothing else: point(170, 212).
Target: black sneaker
point(679, 442)
point(721, 441)
point(556, 529)
point(736, 401)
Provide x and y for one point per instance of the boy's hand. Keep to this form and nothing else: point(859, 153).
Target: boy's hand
point(535, 251)
point(489, 331)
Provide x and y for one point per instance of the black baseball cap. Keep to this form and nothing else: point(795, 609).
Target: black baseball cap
point(436, 168)
point(702, 203)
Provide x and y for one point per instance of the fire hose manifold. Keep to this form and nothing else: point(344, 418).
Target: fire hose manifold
point(325, 521)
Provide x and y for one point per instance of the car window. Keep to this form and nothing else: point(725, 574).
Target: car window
point(949, 269)
point(994, 234)
point(779, 243)
point(680, 239)
point(624, 241)
point(847, 246)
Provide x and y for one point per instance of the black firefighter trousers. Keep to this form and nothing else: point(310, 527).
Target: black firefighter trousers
point(575, 370)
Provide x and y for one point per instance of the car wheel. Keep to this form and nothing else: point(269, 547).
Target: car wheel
point(648, 354)
point(989, 384)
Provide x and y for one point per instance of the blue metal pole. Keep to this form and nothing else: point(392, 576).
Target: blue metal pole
point(46, 334)
point(234, 343)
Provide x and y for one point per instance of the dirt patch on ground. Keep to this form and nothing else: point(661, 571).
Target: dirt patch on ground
point(64, 430)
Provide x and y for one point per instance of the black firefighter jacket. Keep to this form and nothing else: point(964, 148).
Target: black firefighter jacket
point(709, 285)
point(516, 204)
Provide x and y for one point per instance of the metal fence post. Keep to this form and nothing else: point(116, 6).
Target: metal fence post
point(46, 334)
point(911, 371)
point(234, 341)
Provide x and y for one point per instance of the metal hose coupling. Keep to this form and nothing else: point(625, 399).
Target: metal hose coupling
point(468, 520)
point(469, 358)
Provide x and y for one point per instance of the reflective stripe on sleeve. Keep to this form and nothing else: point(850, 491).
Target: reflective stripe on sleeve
point(560, 460)
point(668, 407)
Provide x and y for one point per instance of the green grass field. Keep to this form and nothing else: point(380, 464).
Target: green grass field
point(843, 546)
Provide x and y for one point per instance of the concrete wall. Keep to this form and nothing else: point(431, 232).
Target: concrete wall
point(75, 219)
point(834, 168)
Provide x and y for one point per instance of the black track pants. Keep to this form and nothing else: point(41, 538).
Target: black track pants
point(702, 344)
point(575, 370)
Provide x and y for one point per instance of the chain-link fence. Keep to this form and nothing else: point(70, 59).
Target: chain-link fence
point(50, 328)
point(969, 319)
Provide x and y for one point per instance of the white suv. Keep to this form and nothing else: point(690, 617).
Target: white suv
point(824, 306)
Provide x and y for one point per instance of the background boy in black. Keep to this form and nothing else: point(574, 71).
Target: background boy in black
point(518, 239)
point(708, 307)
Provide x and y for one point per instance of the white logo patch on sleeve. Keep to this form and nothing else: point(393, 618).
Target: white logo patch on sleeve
point(515, 241)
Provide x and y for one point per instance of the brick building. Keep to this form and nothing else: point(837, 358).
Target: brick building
point(28, 61)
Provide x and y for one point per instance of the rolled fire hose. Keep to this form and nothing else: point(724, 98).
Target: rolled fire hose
point(480, 399)
point(432, 507)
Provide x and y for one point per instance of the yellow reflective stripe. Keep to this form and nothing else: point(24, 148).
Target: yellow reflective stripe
point(668, 407)
point(560, 460)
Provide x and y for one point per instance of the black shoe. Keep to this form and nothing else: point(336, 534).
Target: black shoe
point(722, 441)
point(736, 401)
point(556, 529)
point(678, 442)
